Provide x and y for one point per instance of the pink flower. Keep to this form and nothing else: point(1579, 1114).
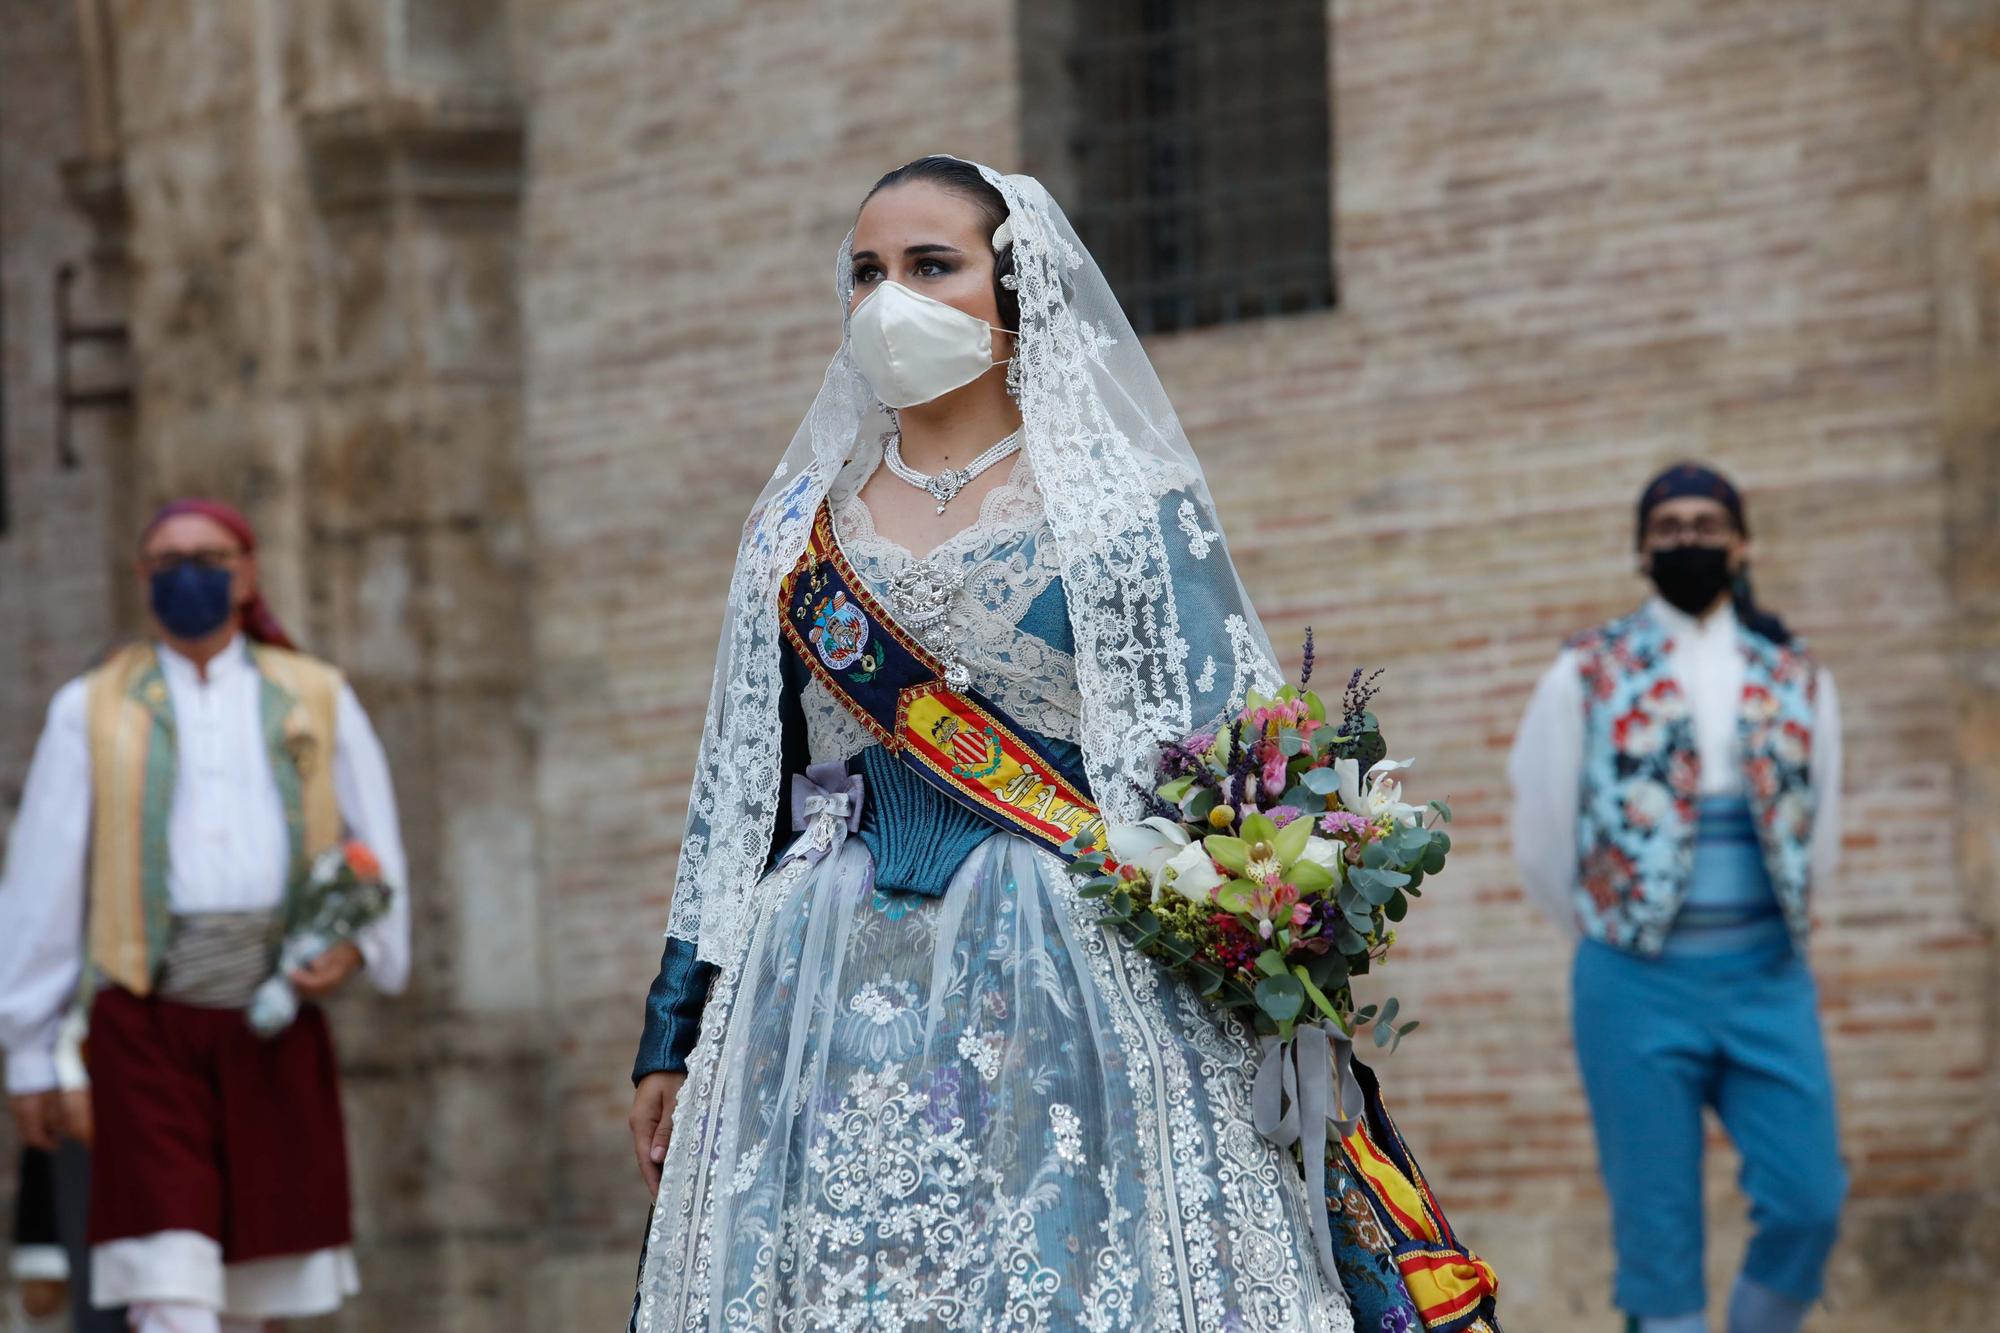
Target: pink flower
point(1273, 776)
point(1282, 815)
point(1345, 823)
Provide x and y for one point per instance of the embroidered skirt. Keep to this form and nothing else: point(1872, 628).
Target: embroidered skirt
point(967, 1112)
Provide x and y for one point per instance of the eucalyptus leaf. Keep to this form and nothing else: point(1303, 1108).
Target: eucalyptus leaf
point(1397, 907)
point(1202, 802)
point(1321, 781)
point(1290, 743)
point(1328, 970)
point(1282, 997)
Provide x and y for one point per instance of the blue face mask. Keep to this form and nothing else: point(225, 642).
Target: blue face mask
point(191, 600)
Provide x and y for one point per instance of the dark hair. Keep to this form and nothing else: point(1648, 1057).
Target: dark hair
point(963, 179)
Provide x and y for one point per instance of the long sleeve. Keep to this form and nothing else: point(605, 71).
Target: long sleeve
point(367, 797)
point(673, 1010)
point(679, 993)
point(1825, 769)
point(1545, 770)
point(42, 895)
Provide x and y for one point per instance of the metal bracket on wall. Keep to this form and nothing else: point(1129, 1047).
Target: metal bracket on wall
point(70, 334)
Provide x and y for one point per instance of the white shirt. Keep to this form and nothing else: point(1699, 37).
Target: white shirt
point(1546, 765)
point(227, 846)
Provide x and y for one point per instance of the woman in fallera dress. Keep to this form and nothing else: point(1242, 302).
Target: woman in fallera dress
point(894, 1076)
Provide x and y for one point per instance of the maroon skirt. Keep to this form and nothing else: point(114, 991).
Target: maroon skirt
point(202, 1125)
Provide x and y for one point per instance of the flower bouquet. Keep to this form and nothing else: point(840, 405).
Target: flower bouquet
point(1279, 861)
point(342, 892)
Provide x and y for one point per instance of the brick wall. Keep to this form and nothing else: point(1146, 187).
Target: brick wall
point(502, 457)
point(1578, 241)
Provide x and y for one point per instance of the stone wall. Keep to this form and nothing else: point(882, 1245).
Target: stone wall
point(320, 206)
point(496, 316)
point(55, 575)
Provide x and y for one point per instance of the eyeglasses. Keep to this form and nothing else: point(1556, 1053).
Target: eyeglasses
point(1708, 530)
point(213, 557)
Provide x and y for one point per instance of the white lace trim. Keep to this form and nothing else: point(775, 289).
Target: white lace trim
point(1009, 561)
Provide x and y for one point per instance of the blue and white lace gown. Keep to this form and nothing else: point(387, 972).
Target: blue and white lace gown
point(934, 1096)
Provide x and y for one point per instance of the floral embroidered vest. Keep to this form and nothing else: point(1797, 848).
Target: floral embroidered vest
point(1641, 772)
point(132, 766)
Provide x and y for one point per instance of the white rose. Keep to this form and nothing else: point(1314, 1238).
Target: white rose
point(1327, 854)
point(1189, 873)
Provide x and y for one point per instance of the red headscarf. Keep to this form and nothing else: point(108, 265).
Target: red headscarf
point(257, 620)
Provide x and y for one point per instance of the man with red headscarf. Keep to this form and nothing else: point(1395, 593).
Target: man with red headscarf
point(176, 793)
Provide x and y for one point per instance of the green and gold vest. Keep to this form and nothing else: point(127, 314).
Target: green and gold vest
point(132, 765)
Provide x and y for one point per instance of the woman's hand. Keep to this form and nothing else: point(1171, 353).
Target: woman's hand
point(652, 1123)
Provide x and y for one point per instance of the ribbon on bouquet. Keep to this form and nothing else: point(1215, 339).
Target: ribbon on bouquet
point(826, 807)
point(1302, 1086)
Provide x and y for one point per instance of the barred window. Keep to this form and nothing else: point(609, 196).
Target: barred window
point(1192, 142)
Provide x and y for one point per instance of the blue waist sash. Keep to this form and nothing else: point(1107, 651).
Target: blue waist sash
point(1730, 904)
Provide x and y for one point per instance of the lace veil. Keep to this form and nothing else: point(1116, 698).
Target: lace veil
point(1165, 634)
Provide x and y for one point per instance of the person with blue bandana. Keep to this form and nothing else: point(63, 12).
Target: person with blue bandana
point(1676, 786)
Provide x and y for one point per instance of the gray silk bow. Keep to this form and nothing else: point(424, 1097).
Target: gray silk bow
point(826, 807)
point(1302, 1086)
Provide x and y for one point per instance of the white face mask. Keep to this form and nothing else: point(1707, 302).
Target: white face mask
point(912, 348)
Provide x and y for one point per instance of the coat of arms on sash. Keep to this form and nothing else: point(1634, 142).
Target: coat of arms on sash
point(840, 636)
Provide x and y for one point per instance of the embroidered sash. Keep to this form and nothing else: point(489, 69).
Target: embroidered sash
point(957, 740)
point(1454, 1290)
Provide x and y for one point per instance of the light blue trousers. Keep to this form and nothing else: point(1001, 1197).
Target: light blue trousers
point(1658, 1039)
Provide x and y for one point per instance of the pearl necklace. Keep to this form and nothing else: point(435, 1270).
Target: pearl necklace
point(945, 486)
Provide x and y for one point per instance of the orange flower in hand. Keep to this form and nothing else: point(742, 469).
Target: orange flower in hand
point(362, 861)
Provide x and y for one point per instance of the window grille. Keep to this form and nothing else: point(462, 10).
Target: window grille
point(1199, 153)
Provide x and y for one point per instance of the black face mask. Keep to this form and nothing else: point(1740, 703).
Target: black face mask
point(1691, 577)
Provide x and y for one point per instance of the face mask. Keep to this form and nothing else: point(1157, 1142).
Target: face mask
point(912, 348)
point(1691, 577)
point(191, 600)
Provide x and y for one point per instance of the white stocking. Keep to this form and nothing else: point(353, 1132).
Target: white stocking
point(179, 1317)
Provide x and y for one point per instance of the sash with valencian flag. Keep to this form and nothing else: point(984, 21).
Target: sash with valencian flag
point(1453, 1289)
point(957, 740)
